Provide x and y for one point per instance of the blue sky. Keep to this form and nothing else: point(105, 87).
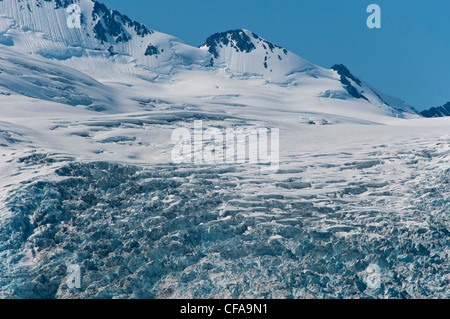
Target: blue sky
point(409, 57)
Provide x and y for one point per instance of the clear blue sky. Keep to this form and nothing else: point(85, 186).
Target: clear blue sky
point(409, 57)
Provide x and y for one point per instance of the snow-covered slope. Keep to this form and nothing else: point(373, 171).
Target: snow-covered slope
point(345, 197)
point(242, 52)
point(39, 26)
point(109, 45)
point(38, 78)
point(361, 90)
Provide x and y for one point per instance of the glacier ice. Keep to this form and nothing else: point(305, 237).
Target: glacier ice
point(185, 232)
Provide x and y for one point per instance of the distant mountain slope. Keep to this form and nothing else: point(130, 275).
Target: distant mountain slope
point(361, 90)
point(39, 26)
point(439, 111)
point(244, 53)
point(109, 44)
point(38, 78)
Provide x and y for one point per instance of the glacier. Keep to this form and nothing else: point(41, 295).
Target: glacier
point(86, 175)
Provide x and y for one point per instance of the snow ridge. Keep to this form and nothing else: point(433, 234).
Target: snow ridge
point(361, 90)
point(244, 53)
point(109, 44)
point(40, 79)
point(40, 27)
point(439, 111)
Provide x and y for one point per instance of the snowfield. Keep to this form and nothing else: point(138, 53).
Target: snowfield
point(87, 177)
point(345, 196)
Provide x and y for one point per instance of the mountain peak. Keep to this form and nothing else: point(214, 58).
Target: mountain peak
point(242, 52)
point(361, 90)
point(439, 111)
point(111, 23)
point(240, 39)
point(345, 77)
point(344, 71)
point(107, 37)
point(104, 33)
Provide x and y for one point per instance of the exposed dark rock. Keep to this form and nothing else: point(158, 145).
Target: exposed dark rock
point(345, 76)
point(440, 111)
